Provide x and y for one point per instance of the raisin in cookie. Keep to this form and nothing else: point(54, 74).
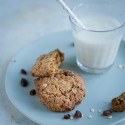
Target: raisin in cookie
point(47, 64)
point(118, 103)
point(60, 92)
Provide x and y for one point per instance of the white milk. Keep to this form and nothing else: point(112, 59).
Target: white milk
point(98, 49)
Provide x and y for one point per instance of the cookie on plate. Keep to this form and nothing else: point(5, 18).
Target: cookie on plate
point(118, 103)
point(47, 64)
point(60, 92)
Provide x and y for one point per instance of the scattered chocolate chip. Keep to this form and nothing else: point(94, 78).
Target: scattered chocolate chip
point(107, 112)
point(23, 71)
point(33, 92)
point(24, 82)
point(77, 114)
point(67, 116)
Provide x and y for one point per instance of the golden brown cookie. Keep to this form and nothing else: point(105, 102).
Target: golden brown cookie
point(60, 92)
point(118, 103)
point(47, 64)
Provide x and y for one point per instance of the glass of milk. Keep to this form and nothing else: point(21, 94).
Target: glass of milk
point(97, 44)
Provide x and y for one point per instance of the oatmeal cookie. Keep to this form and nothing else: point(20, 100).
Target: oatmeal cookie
point(60, 92)
point(47, 64)
point(118, 103)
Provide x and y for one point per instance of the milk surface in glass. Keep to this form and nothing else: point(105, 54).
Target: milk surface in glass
point(98, 49)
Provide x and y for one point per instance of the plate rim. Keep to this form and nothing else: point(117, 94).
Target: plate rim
point(7, 71)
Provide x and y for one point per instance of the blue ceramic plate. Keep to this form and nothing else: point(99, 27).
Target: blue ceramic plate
point(100, 88)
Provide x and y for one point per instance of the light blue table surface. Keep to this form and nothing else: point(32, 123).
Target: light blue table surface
point(21, 23)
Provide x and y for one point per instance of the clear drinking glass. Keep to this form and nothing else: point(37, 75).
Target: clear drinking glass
point(97, 44)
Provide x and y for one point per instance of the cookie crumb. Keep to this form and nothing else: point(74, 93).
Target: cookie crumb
point(99, 111)
point(92, 110)
point(89, 117)
point(121, 66)
point(109, 117)
point(71, 117)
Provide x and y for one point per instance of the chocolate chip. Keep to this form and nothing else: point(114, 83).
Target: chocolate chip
point(24, 82)
point(107, 112)
point(77, 114)
point(33, 92)
point(23, 71)
point(67, 116)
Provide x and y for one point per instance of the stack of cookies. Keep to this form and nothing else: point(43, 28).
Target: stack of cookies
point(58, 89)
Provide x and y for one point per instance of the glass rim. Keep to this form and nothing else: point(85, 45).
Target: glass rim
point(90, 30)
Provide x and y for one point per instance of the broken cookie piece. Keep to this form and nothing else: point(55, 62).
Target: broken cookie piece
point(47, 64)
point(118, 103)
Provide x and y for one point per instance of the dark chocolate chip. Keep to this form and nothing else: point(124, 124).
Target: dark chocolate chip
point(24, 82)
point(77, 114)
point(67, 116)
point(107, 112)
point(23, 71)
point(33, 92)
